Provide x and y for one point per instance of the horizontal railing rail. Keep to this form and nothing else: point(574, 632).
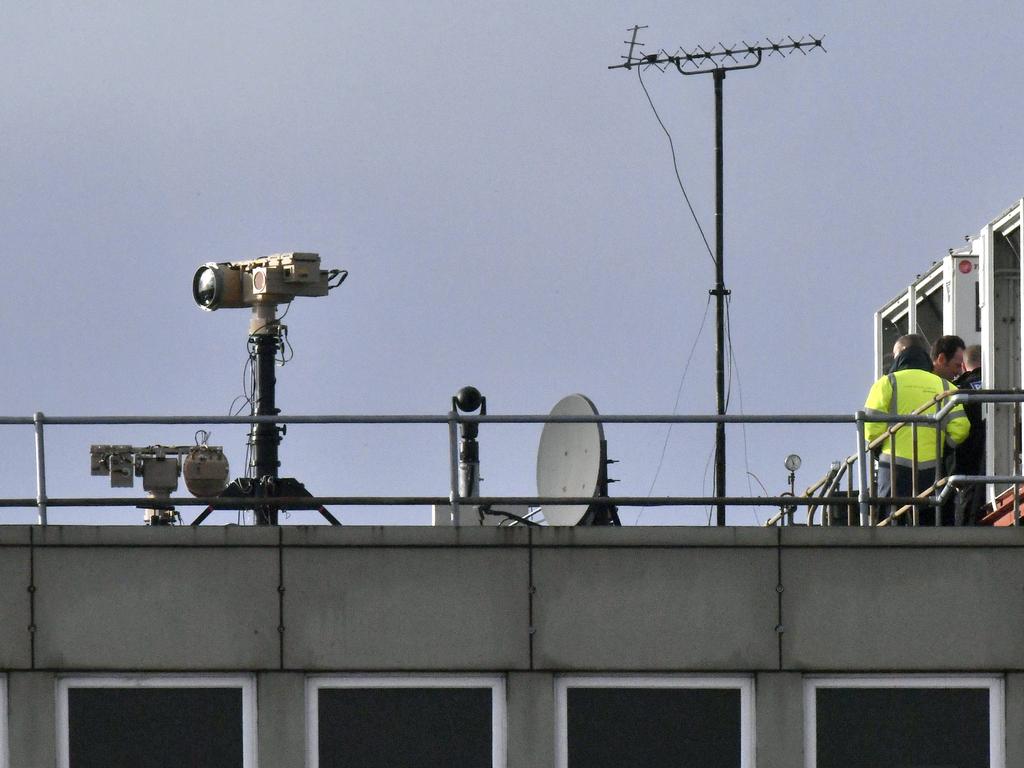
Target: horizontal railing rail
point(825, 488)
point(934, 496)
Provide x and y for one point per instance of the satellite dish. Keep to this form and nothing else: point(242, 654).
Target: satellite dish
point(570, 460)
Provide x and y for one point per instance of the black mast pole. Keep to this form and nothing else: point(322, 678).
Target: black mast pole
point(720, 293)
point(265, 437)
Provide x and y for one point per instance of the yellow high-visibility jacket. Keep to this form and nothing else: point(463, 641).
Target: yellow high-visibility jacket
point(903, 392)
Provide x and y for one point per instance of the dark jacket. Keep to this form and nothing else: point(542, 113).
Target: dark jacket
point(970, 454)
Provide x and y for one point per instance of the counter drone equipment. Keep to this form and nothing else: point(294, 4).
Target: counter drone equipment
point(204, 466)
point(262, 284)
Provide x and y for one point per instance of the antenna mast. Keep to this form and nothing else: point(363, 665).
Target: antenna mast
point(716, 62)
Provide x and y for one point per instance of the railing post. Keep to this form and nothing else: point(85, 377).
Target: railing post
point(915, 510)
point(453, 458)
point(940, 457)
point(38, 419)
point(1016, 464)
point(862, 458)
point(849, 494)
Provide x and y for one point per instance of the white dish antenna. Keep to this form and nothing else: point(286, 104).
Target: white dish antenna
point(570, 460)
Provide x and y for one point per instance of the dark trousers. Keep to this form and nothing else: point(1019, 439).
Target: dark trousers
point(901, 483)
point(965, 505)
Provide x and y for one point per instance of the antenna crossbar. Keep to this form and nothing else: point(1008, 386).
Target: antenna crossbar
point(743, 55)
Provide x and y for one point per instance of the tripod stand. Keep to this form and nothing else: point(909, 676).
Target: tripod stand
point(264, 485)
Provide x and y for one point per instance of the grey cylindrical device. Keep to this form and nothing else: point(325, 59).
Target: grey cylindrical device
point(469, 399)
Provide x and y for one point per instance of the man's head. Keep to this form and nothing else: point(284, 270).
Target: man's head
point(948, 357)
point(911, 340)
point(972, 357)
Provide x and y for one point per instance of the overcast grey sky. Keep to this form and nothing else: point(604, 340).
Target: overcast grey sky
point(506, 208)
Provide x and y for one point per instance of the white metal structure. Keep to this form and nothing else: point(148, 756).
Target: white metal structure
point(942, 301)
point(1000, 245)
point(973, 292)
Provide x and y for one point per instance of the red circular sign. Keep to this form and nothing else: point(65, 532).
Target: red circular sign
point(966, 266)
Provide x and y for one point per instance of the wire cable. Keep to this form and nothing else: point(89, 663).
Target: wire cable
point(675, 408)
point(675, 166)
point(729, 352)
point(735, 368)
point(704, 484)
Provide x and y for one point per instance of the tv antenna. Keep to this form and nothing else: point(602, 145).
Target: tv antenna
point(716, 61)
point(262, 284)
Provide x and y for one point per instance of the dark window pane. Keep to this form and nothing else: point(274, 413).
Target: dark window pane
point(654, 727)
point(415, 727)
point(155, 727)
point(903, 727)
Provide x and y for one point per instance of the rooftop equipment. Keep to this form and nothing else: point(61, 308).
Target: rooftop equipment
point(262, 284)
point(205, 468)
point(572, 461)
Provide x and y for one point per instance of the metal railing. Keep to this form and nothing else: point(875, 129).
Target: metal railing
point(933, 496)
point(825, 487)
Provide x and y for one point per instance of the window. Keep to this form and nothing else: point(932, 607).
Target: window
point(423, 720)
point(654, 721)
point(156, 721)
point(909, 722)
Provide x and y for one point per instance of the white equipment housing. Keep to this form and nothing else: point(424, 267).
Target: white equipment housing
point(941, 302)
point(973, 292)
point(1000, 245)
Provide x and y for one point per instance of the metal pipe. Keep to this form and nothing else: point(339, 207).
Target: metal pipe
point(916, 511)
point(957, 480)
point(453, 462)
point(312, 503)
point(38, 420)
point(849, 493)
point(264, 436)
point(1016, 504)
point(862, 457)
point(1016, 462)
point(720, 294)
point(786, 418)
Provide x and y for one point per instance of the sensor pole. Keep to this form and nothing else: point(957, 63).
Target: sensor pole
point(262, 484)
point(468, 400)
point(264, 336)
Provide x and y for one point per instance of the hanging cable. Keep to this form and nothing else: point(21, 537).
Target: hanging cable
point(730, 354)
point(704, 484)
point(675, 165)
point(675, 408)
point(734, 367)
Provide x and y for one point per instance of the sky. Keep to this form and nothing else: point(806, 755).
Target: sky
point(507, 209)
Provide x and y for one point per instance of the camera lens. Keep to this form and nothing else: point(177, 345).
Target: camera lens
point(204, 287)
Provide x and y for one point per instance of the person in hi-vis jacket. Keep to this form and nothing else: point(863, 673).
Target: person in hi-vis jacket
point(909, 385)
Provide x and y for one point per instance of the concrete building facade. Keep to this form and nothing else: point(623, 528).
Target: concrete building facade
point(532, 616)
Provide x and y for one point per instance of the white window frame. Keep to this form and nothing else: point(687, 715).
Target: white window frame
point(246, 683)
point(496, 683)
point(744, 684)
point(996, 704)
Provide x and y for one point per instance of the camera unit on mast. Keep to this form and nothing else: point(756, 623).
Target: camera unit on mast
point(263, 284)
